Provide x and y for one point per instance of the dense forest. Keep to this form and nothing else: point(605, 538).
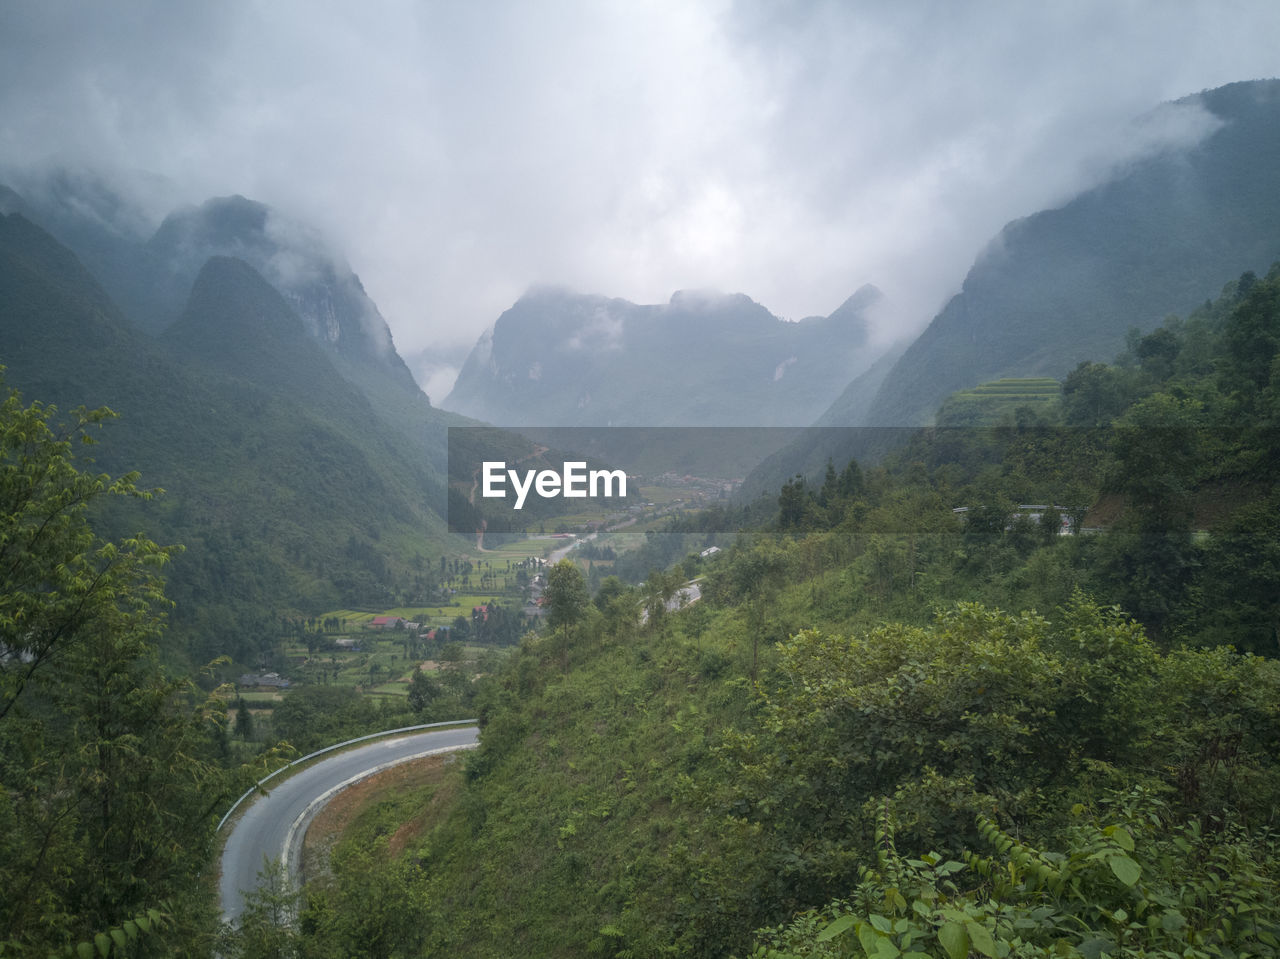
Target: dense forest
point(893, 728)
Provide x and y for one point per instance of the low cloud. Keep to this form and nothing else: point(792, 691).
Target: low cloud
point(458, 154)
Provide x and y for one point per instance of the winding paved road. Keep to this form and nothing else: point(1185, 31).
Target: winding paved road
point(272, 827)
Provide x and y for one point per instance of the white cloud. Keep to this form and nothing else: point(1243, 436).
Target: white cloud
point(458, 153)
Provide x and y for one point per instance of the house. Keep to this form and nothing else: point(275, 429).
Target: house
point(709, 552)
point(385, 622)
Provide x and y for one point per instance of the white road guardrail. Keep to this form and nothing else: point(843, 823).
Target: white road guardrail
point(257, 787)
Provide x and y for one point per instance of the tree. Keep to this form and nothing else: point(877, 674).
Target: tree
point(611, 588)
point(1252, 336)
point(851, 483)
point(756, 574)
point(266, 927)
point(1157, 352)
point(617, 604)
point(566, 595)
point(244, 720)
point(312, 716)
point(1238, 596)
point(657, 592)
point(1160, 444)
point(422, 690)
point(830, 483)
point(61, 583)
point(1094, 394)
point(794, 504)
point(105, 795)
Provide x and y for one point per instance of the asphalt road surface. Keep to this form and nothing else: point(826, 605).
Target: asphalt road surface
point(689, 593)
point(273, 825)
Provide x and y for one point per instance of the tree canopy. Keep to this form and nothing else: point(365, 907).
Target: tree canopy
point(107, 784)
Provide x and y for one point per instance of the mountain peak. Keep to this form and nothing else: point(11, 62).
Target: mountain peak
point(863, 297)
point(315, 281)
point(221, 222)
point(232, 307)
point(238, 323)
point(559, 358)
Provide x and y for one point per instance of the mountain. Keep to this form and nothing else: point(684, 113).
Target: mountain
point(558, 358)
point(285, 485)
point(1065, 285)
point(148, 271)
point(107, 228)
point(315, 281)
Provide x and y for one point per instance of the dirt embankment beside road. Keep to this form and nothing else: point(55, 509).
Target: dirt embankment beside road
point(400, 784)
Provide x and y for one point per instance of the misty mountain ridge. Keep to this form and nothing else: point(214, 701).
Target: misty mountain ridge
point(285, 483)
point(293, 440)
point(239, 324)
point(704, 358)
point(149, 270)
point(317, 283)
point(1052, 289)
point(1164, 233)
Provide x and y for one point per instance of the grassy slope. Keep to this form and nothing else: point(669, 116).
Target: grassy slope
point(601, 816)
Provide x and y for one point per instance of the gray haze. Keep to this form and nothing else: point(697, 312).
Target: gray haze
point(459, 153)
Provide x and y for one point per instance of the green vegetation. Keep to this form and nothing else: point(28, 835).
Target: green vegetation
point(990, 403)
point(1133, 887)
point(110, 767)
point(288, 491)
point(113, 769)
point(907, 717)
point(889, 728)
point(351, 693)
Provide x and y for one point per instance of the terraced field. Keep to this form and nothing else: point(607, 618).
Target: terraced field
point(992, 403)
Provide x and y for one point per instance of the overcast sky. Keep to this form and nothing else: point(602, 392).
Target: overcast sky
point(460, 152)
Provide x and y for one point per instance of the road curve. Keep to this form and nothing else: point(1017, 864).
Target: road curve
point(272, 827)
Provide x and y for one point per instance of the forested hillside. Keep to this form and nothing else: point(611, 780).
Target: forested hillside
point(288, 488)
point(892, 728)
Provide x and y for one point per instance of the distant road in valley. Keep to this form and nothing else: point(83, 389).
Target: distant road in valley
point(280, 818)
point(687, 594)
